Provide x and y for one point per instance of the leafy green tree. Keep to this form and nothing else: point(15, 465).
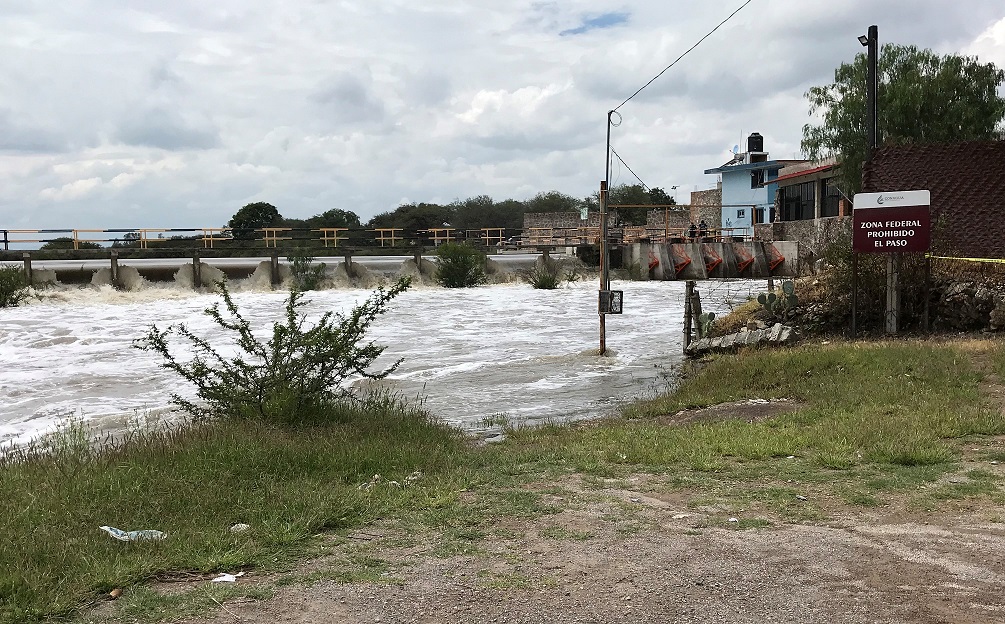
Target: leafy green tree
point(460, 266)
point(414, 217)
point(553, 201)
point(335, 218)
point(922, 98)
point(252, 217)
point(482, 212)
point(630, 195)
point(659, 197)
point(65, 242)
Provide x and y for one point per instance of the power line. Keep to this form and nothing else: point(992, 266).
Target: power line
point(630, 169)
point(683, 55)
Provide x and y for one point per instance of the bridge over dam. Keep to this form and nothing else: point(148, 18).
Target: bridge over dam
point(714, 259)
point(696, 260)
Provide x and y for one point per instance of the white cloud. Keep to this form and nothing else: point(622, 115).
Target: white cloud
point(177, 114)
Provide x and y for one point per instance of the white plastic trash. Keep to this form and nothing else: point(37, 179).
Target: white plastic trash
point(227, 578)
point(133, 536)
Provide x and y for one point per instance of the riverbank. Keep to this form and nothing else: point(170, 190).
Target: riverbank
point(770, 485)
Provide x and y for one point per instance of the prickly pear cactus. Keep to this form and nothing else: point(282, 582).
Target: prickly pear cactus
point(767, 301)
point(705, 322)
point(780, 305)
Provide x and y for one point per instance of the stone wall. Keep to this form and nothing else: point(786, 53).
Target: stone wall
point(707, 205)
point(679, 218)
point(813, 235)
point(563, 220)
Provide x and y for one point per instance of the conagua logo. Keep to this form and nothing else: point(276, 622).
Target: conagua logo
point(881, 200)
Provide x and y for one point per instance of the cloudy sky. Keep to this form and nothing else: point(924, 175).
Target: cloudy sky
point(175, 114)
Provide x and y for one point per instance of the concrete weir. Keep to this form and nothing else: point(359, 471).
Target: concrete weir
point(714, 260)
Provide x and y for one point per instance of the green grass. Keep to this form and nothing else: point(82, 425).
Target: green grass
point(873, 421)
point(289, 485)
point(146, 605)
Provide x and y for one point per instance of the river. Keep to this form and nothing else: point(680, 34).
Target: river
point(494, 352)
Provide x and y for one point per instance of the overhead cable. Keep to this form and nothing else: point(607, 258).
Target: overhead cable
point(707, 35)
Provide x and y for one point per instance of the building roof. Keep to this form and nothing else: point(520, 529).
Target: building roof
point(794, 175)
point(967, 183)
point(768, 164)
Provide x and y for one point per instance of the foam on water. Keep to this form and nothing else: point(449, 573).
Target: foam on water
point(471, 354)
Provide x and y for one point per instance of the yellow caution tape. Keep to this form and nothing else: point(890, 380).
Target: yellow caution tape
point(991, 260)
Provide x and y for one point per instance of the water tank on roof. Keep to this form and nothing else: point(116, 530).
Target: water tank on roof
point(755, 143)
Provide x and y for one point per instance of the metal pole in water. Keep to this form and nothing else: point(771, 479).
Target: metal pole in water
point(603, 261)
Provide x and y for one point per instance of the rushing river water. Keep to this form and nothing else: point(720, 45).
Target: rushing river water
point(471, 354)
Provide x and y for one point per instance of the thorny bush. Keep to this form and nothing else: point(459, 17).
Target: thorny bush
point(300, 370)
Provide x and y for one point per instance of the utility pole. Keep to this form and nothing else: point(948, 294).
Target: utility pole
point(871, 42)
point(605, 276)
point(872, 132)
point(603, 262)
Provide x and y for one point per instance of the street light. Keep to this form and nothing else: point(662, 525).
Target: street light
point(863, 39)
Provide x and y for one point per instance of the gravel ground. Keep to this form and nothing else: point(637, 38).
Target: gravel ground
point(664, 563)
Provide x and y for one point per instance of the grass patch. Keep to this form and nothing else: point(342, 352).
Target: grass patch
point(872, 419)
point(148, 605)
point(193, 484)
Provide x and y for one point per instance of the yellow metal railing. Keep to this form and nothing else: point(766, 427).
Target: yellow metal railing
point(387, 235)
point(440, 235)
point(272, 235)
point(332, 234)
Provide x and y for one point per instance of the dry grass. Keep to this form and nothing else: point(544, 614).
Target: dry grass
point(737, 319)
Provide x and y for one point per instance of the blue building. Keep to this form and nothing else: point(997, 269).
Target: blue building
point(748, 193)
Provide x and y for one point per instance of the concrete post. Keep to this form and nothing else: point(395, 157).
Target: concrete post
point(347, 255)
point(274, 273)
point(417, 257)
point(114, 257)
point(196, 270)
point(27, 269)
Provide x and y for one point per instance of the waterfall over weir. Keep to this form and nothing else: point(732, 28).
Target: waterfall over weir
point(252, 274)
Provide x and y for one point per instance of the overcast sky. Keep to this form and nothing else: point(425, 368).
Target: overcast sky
point(175, 114)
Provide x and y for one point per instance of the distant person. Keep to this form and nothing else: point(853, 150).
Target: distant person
point(692, 231)
point(702, 229)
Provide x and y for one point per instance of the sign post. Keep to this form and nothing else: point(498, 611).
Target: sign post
point(892, 222)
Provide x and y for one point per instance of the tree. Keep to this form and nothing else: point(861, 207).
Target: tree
point(553, 201)
point(482, 212)
point(659, 197)
point(414, 217)
point(630, 195)
point(252, 217)
point(65, 242)
point(335, 218)
point(922, 98)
